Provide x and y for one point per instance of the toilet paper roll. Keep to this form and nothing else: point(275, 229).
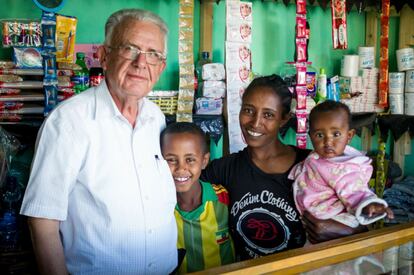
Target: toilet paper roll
point(409, 81)
point(396, 83)
point(350, 65)
point(366, 57)
point(409, 104)
point(405, 59)
point(396, 103)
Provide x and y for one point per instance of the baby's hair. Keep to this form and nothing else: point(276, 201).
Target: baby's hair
point(330, 106)
point(185, 127)
point(277, 85)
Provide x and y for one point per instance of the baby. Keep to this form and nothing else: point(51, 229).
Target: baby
point(332, 182)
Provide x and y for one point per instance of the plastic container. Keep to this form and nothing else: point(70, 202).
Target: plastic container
point(9, 233)
point(322, 82)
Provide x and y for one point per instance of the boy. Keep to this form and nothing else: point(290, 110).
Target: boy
point(201, 211)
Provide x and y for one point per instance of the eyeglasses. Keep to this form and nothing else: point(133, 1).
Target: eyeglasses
point(131, 53)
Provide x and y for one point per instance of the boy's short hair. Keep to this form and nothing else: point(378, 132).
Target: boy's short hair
point(330, 106)
point(185, 127)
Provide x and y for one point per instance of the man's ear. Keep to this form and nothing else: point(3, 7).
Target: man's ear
point(101, 53)
point(351, 134)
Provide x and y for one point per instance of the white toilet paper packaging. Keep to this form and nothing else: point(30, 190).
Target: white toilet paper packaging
point(350, 65)
point(213, 71)
point(213, 88)
point(405, 59)
point(396, 83)
point(409, 81)
point(366, 57)
point(396, 103)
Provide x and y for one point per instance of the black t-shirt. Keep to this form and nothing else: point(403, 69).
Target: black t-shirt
point(263, 218)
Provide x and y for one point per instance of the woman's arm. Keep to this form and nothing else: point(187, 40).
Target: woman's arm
point(47, 246)
point(325, 230)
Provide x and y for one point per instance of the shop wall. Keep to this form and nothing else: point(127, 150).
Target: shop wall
point(273, 31)
point(272, 40)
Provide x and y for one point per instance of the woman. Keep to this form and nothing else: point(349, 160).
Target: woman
point(263, 218)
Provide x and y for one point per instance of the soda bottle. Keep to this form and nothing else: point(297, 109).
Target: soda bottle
point(96, 75)
point(81, 77)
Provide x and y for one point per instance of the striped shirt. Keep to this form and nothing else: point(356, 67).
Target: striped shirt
point(204, 232)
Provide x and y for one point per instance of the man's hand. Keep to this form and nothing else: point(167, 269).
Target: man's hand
point(325, 230)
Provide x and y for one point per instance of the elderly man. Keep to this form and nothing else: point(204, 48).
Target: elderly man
point(100, 198)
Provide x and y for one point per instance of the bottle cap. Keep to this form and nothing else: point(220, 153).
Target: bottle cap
point(322, 71)
point(80, 55)
point(205, 55)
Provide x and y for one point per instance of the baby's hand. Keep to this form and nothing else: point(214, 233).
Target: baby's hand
point(375, 209)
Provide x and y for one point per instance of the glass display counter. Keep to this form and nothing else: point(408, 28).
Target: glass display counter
point(385, 251)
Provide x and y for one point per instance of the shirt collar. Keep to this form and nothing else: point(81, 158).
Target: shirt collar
point(106, 107)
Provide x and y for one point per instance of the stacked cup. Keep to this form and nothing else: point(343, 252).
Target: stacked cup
point(400, 94)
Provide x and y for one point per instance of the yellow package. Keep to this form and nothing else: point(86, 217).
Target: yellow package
point(65, 37)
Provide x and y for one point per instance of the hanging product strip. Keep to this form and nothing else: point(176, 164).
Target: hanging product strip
point(238, 65)
point(186, 62)
point(300, 63)
point(383, 72)
point(339, 28)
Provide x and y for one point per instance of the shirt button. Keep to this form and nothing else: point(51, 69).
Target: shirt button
point(150, 265)
point(146, 198)
point(150, 231)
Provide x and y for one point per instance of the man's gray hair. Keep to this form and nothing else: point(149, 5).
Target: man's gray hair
point(135, 14)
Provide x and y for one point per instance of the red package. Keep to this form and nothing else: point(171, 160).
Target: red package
point(301, 49)
point(339, 32)
point(301, 93)
point(300, 26)
point(301, 74)
point(301, 6)
point(301, 141)
point(301, 117)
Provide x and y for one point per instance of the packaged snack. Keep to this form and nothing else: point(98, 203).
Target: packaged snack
point(68, 66)
point(10, 78)
point(22, 33)
point(49, 30)
point(27, 57)
point(6, 65)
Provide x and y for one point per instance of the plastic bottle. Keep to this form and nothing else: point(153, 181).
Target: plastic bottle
point(199, 68)
point(96, 75)
point(9, 233)
point(81, 77)
point(322, 82)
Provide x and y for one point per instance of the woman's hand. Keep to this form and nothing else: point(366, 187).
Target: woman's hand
point(325, 230)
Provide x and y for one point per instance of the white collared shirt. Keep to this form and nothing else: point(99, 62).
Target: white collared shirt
point(108, 185)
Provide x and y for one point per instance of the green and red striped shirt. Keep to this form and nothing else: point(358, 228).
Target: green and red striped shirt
point(204, 232)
